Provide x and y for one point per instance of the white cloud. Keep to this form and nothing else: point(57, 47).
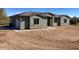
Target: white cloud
point(18, 12)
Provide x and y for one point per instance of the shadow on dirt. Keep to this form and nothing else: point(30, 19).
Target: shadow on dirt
point(6, 28)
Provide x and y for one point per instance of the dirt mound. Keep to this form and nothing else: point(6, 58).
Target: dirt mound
point(2, 37)
point(60, 38)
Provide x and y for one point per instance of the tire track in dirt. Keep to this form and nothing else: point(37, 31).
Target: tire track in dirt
point(61, 38)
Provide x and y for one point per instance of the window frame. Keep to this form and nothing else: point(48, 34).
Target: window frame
point(65, 20)
point(36, 21)
point(55, 20)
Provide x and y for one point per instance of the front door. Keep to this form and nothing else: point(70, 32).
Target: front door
point(48, 22)
point(58, 21)
point(27, 23)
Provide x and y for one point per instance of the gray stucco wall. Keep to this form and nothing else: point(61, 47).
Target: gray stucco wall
point(54, 24)
point(22, 24)
point(28, 22)
point(42, 22)
point(17, 24)
point(51, 22)
point(62, 21)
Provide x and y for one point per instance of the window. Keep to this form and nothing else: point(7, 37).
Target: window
point(36, 21)
point(65, 20)
point(55, 20)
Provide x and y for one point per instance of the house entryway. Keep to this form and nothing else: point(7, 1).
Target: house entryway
point(25, 23)
point(22, 24)
point(49, 22)
point(57, 20)
point(58, 23)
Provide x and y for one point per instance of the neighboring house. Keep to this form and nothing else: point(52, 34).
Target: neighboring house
point(31, 20)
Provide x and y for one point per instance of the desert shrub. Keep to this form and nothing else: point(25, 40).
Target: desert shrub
point(10, 25)
point(74, 21)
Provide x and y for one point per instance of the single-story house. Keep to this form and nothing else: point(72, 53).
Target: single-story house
point(31, 20)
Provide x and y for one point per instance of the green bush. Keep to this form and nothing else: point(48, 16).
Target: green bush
point(74, 20)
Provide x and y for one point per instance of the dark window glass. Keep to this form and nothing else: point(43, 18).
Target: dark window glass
point(36, 21)
point(65, 20)
point(55, 20)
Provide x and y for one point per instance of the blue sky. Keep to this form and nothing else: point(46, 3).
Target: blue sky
point(67, 11)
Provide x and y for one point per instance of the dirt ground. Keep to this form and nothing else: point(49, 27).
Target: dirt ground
point(60, 38)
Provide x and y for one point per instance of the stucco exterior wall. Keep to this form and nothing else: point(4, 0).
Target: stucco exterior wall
point(54, 24)
point(17, 24)
point(22, 24)
point(42, 22)
point(28, 22)
point(51, 22)
point(62, 21)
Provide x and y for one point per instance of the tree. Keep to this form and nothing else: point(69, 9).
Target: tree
point(3, 17)
point(74, 20)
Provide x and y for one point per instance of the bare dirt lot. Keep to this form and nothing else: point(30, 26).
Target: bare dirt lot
point(66, 37)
